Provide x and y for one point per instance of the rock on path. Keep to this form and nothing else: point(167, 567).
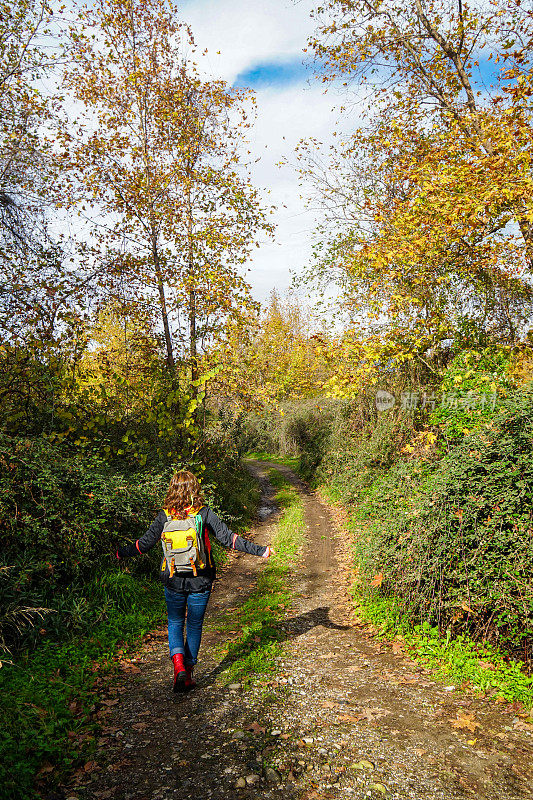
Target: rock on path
point(343, 718)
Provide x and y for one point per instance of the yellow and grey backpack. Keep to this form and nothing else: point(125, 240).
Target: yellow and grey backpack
point(183, 546)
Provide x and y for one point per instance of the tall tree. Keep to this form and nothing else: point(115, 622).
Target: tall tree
point(432, 203)
point(24, 27)
point(40, 285)
point(158, 150)
point(428, 63)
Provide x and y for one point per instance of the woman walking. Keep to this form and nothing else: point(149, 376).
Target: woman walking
point(188, 568)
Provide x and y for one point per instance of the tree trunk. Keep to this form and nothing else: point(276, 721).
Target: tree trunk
point(163, 304)
point(192, 296)
point(192, 336)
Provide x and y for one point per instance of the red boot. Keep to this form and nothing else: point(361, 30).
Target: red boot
point(190, 683)
point(180, 675)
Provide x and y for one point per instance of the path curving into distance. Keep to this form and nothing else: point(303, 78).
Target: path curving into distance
point(343, 717)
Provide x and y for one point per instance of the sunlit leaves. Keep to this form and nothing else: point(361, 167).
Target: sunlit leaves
point(161, 156)
point(431, 203)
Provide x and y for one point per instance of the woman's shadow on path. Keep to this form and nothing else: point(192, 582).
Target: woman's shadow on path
point(274, 632)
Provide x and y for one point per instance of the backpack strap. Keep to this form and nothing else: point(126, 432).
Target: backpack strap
point(199, 524)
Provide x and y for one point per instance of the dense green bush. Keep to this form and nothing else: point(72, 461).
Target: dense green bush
point(293, 429)
point(468, 561)
point(442, 518)
point(62, 515)
point(360, 447)
point(452, 537)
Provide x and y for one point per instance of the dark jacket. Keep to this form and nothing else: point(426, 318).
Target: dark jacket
point(212, 524)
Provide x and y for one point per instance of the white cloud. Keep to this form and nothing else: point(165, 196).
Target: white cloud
point(247, 33)
point(284, 117)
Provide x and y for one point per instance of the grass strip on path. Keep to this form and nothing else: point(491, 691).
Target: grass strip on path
point(289, 461)
point(254, 652)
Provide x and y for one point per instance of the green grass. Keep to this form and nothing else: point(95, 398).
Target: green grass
point(289, 461)
point(461, 661)
point(48, 696)
point(253, 654)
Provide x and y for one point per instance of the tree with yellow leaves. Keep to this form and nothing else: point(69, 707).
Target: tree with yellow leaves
point(277, 356)
point(431, 203)
point(158, 151)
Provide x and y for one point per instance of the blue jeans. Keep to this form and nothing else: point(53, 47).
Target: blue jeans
point(181, 605)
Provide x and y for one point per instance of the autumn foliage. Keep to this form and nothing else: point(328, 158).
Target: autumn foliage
point(429, 204)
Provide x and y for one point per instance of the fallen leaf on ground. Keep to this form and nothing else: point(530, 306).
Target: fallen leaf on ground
point(372, 714)
point(363, 764)
point(469, 782)
point(127, 666)
point(465, 721)
point(378, 787)
point(397, 648)
point(329, 704)
point(377, 580)
point(485, 665)
point(119, 765)
point(110, 702)
point(255, 727)
point(520, 725)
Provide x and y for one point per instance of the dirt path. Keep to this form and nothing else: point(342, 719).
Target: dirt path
point(343, 718)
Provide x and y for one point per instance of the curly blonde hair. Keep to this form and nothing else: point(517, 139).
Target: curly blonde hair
point(183, 494)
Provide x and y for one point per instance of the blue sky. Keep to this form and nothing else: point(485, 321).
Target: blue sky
point(261, 45)
point(275, 74)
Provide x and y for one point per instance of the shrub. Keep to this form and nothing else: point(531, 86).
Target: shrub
point(472, 390)
point(458, 545)
point(362, 445)
point(447, 534)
